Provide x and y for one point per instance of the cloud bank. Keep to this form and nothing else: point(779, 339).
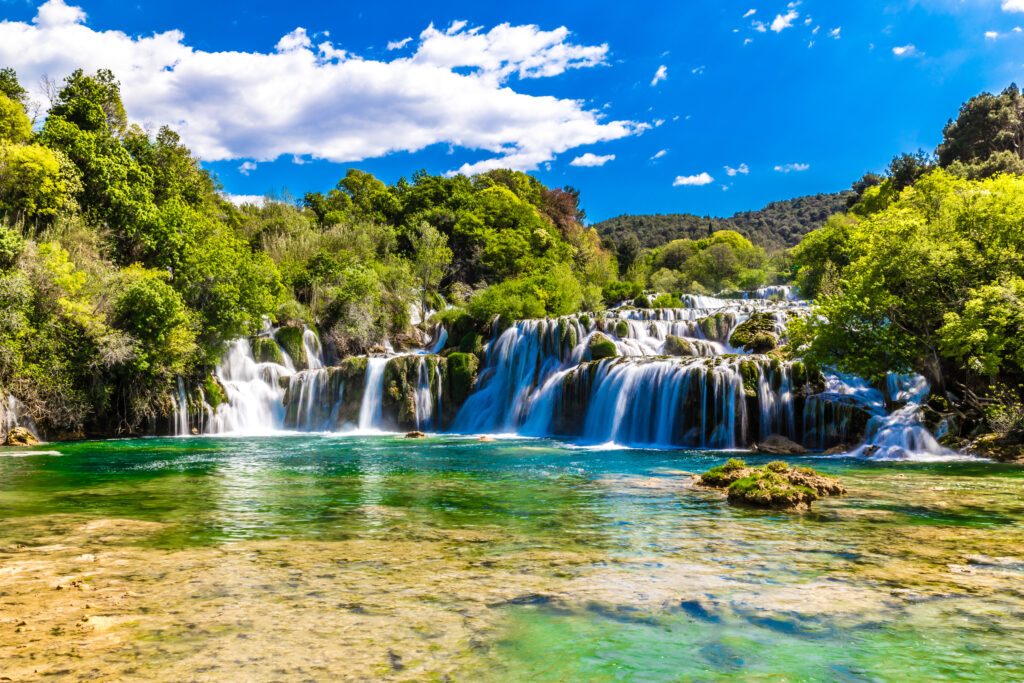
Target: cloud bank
point(318, 100)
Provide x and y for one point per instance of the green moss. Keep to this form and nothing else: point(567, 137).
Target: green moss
point(678, 346)
point(585, 321)
point(601, 347)
point(462, 370)
point(290, 339)
point(621, 329)
point(756, 334)
point(471, 342)
point(214, 392)
point(775, 485)
point(266, 350)
point(749, 372)
point(642, 302)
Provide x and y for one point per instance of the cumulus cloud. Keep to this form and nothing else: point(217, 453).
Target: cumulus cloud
point(703, 178)
point(742, 169)
point(1013, 6)
point(312, 99)
point(590, 160)
point(908, 50)
point(247, 167)
point(399, 44)
point(240, 199)
point(660, 75)
point(792, 168)
point(659, 154)
point(991, 35)
point(783, 21)
point(836, 33)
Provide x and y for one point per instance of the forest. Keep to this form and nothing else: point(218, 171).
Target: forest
point(124, 267)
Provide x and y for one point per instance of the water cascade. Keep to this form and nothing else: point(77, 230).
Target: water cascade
point(664, 377)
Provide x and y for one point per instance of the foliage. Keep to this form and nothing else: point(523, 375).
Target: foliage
point(931, 283)
point(777, 226)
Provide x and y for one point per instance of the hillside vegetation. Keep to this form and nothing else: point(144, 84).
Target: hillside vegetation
point(777, 226)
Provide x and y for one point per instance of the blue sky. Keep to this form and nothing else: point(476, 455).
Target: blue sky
point(753, 107)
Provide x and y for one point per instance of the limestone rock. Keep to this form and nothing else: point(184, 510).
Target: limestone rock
point(776, 444)
point(19, 436)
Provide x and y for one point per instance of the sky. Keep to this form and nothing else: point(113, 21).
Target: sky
point(647, 107)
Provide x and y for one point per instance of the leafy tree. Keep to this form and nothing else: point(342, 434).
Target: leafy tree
point(14, 124)
point(987, 125)
point(10, 86)
point(432, 261)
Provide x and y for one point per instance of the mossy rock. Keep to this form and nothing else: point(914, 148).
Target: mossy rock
point(621, 329)
point(461, 378)
point(213, 392)
point(677, 346)
point(290, 339)
point(472, 342)
point(20, 437)
point(601, 347)
point(266, 350)
point(756, 334)
point(585, 321)
point(776, 485)
point(750, 374)
point(642, 302)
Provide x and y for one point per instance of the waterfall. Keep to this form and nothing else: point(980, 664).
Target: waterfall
point(181, 410)
point(538, 379)
point(370, 410)
point(12, 414)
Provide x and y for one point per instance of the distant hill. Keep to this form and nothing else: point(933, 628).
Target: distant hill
point(777, 226)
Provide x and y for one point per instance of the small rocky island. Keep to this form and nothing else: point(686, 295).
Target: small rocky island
point(776, 485)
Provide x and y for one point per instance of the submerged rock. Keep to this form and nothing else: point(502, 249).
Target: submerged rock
point(776, 485)
point(776, 444)
point(19, 436)
point(415, 435)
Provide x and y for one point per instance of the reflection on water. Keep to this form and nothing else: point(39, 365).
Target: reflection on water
point(324, 557)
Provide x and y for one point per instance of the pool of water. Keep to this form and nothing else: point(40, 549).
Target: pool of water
point(325, 557)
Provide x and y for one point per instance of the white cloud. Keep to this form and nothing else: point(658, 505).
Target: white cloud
point(905, 50)
point(693, 180)
point(742, 169)
point(784, 21)
point(399, 44)
point(589, 160)
point(240, 199)
point(316, 101)
point(659, 154)
point(660, 75)
point(247, 167)
point(792, 168)
point(836, 32)
point(698, 70)
point(749, 13)
point(759, 26)
point(991, 35)
point(748, 41)
point(1013, 6)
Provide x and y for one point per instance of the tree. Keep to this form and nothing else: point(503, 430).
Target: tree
point(432, 260)
point(14, 124)
point(986, 125)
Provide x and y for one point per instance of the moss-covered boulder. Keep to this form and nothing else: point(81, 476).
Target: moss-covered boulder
point(756, 334)
point(600, 347)
point(621, 329)
point(750, 374)
point(677, 346)
point(266, 350)
point(213, 393)
point(401, 378)
point(716, 327)
point(290, 339)
point(461, 379)
point(776, 485)
point(20, 437)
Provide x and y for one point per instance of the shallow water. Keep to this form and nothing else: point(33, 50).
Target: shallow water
point(326, 557)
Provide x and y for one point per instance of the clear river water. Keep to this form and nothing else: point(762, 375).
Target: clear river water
point(322, 557)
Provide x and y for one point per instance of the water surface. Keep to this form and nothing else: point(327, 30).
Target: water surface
point(325, 557)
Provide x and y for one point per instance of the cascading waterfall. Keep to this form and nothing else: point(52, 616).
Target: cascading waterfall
point(371, 408)
point(12, 414)
point(538, 379)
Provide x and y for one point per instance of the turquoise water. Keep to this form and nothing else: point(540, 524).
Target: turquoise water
point(297, 557)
